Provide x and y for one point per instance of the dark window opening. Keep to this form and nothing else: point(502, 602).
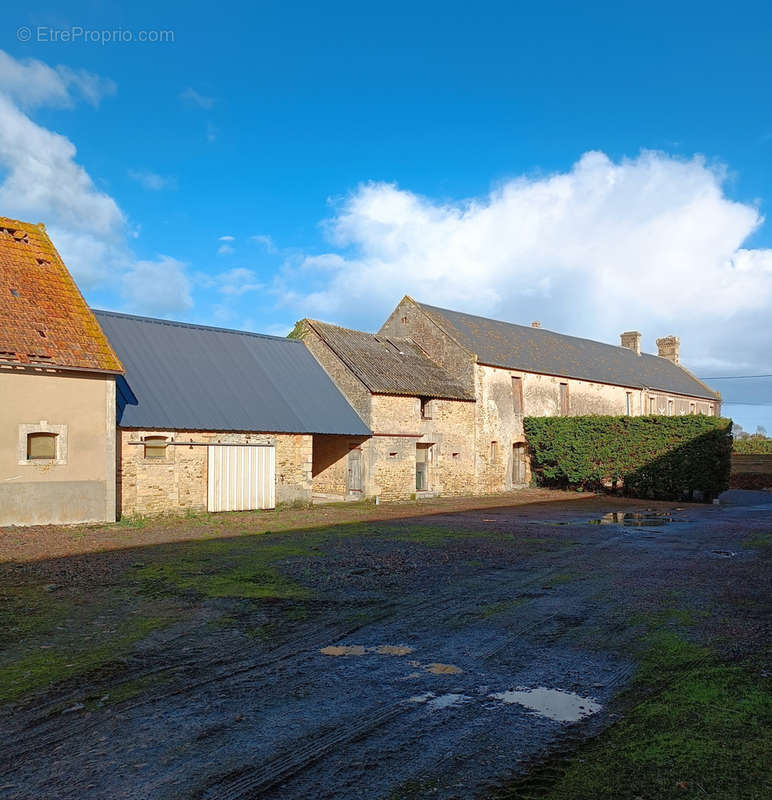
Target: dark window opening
point(426, 408)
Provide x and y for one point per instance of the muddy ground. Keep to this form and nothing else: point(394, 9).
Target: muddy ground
point(386, 658)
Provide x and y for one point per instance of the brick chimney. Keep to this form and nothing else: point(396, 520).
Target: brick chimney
point(668, 347)
point(632, 341)
point(536, 324)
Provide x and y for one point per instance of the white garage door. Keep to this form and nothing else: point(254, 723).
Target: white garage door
point(241, 477)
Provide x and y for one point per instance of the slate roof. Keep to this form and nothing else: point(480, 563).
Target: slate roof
point(504, 344)
point(390, 365)
point(43, 317)
point(193, 377)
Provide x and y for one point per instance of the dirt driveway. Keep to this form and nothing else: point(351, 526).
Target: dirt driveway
point(429, 656)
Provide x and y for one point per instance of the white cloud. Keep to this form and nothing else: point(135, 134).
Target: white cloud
point(227, 239)
point(192, 97)
point(157, 287)
point(651, 243)
point(266, 241)
point(40, 180)
point(224, 250)
point(239, 281)
point(31, 83)
point(151, 181)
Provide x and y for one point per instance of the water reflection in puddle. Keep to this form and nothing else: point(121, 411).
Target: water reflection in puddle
point(360, 650)
point(443, 669)
point(552, 703)
point(438, 702)
point(635, 519)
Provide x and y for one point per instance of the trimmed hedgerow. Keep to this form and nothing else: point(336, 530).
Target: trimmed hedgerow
point(659, 457)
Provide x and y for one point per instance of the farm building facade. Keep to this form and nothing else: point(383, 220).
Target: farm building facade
point(105, 414)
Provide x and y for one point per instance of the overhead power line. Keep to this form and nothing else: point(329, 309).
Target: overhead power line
point(734, 377)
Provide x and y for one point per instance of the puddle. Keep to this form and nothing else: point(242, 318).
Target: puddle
point(438, 702)
point(360, 650)
point(393, 649)
point(446, 701)
point(420, 698)
point(443, 669)
point(553, 703)
point(723, 553)
point(635, 519)
point(344, 650)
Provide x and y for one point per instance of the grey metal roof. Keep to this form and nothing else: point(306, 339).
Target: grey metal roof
point(388, 365)
point(193, 377)
point(504, 344)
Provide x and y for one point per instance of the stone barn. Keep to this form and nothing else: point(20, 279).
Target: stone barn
point(216, 419)
point(421, 418)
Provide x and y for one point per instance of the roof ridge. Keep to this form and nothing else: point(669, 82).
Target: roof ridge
point(375, 335)
point(195, 325)
point(539, 331)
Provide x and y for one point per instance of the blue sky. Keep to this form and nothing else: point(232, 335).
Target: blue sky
point(599, 167)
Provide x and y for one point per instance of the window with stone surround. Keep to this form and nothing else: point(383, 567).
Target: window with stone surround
point(426, 407)
point(42, 443)
point(155, 447)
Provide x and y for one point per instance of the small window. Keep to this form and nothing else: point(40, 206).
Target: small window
point(711, 411)
point(454, 455)
point(517, 395)
point(670, 405)
point(494, 450)
point(404, 320)
point(41, 446)
point(564, 403)
point(426, 408)
point(692, 408)
point(393, 454)
point(155, 447)
point(628, 403)
point(652, 405)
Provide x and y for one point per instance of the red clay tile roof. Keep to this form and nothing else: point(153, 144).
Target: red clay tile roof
point(43, 317)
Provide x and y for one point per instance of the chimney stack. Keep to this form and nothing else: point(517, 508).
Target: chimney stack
point(536, 324)
point(669, 347)
point(632, 341)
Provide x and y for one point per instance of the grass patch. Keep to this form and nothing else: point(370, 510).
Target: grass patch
point(29, 609)
point(697, 727)
point(762, 540)
point(245, 568)
point(39, 668)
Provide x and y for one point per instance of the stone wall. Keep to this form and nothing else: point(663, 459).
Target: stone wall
point(407, 320)
point(447, 431)
point(497, 421)
point(178, 482)
point(357, 394)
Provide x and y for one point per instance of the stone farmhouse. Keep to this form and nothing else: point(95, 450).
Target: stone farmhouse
point(445, 394)
point(105, 414)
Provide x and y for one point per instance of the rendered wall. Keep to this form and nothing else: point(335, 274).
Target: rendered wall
point(80, 407)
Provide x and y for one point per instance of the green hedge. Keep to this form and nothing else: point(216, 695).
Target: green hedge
point(659, 457)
